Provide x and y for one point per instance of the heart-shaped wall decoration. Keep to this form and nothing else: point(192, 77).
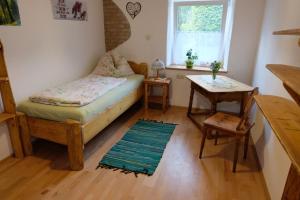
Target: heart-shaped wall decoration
point(133, 9)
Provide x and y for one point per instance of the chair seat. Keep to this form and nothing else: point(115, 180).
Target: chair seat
point(225, 122)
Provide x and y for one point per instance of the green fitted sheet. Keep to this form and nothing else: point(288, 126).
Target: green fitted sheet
point(84, 113)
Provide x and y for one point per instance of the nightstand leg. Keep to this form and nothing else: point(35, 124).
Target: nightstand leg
point(165, 92)
point(146, 96)
point(168, 97)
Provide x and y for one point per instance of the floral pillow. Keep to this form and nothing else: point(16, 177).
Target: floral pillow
point(121, 64)
point(105, 67)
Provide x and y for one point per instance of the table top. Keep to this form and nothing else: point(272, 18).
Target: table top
point(220, 84)
point(152, 80)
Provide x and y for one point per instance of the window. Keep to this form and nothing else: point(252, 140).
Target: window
point(203, 26)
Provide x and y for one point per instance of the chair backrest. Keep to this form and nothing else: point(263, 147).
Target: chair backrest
point(244, 119)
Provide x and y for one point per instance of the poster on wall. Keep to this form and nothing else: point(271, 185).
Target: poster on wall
point(9, 13)
point(69, 10)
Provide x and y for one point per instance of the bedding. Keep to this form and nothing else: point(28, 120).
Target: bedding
point(106, 67)
point(78, 93)
point(113, 64)
point(85, 113)
point(121, 64)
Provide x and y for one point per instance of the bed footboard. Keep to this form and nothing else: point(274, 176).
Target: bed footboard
point(67, 133)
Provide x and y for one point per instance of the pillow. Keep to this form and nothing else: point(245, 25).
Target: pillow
point(105, 67)
point(121, 64)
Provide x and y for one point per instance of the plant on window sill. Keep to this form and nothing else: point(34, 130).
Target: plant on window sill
point(190, 59)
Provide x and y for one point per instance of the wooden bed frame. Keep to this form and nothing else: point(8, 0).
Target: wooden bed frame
point(72, 133)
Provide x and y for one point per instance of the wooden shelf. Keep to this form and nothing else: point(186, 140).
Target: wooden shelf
point(4, 79)
point(284, 117)
point(5, 116)
point(155, 99)
point(287, 32)
point(290, 77)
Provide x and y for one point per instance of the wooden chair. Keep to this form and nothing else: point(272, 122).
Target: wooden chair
point(231, 125)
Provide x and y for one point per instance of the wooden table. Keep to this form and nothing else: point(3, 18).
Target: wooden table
point(162, 99)
point(218, 90)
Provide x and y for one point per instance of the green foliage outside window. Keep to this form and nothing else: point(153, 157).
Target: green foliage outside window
point(206, 18)
point(9, 13)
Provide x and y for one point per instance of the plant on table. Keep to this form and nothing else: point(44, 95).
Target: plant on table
point(215, 67)
point(190, 58)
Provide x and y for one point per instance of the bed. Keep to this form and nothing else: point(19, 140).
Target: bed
point(75, 126)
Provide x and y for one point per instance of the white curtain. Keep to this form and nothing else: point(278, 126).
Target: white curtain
point(206, 45)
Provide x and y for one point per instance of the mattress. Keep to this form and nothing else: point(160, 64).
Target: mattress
point(85, 113)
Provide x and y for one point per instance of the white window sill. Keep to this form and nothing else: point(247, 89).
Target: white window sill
point(195, 68)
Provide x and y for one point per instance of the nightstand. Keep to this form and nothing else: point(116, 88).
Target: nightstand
point(163, 99)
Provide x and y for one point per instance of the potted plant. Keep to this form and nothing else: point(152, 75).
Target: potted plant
point(190, 58)
point(215, 67)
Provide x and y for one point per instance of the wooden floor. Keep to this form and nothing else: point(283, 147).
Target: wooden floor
point(180, 174)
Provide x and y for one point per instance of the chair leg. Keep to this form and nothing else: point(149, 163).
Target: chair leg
point(204, 131)
point(247, 137)
point(216, 137)
point(236, 154)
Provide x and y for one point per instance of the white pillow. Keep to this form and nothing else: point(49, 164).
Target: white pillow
point(121, 64)
point(105, 67)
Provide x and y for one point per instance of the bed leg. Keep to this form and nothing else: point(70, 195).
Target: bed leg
point(75, 145)
point(25, 134)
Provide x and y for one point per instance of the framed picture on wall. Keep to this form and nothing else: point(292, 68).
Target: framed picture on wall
point(9, 13)
point(69, 10)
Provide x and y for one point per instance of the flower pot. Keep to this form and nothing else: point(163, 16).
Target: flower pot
point(189, 64)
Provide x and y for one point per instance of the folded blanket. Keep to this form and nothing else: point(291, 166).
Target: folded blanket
point(78, 93)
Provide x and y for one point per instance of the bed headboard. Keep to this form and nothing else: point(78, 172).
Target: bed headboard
point(141, 68)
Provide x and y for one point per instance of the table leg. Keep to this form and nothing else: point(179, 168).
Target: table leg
point(213, 107)
point(244, 97)
point(191, 100)
point(146, 96)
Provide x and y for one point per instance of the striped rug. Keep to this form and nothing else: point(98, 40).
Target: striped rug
point(141, 148)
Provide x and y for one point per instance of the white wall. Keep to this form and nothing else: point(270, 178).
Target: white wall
point(44, 52)
point(274, 50)
point(149, 33)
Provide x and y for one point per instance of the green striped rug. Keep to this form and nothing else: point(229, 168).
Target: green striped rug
point(141, 148)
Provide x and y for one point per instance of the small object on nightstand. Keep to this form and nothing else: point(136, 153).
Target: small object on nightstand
point(164, 98)
point(158, 65)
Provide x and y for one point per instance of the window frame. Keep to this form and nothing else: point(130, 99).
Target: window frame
point(179, 3)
